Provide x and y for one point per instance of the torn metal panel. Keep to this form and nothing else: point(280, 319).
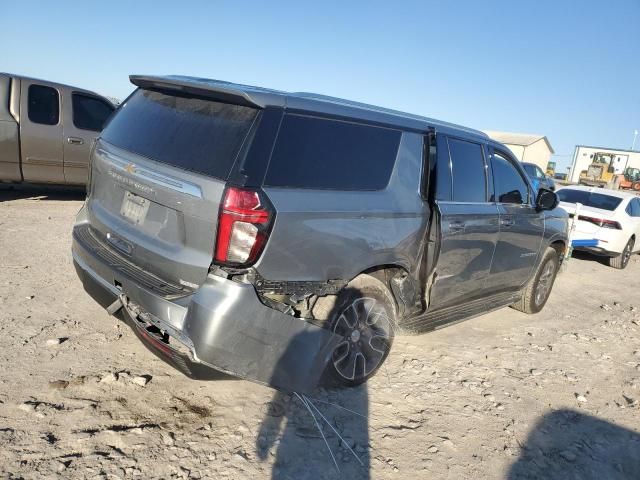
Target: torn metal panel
point(233, 331)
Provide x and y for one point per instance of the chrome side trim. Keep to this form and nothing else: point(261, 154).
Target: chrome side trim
point(141, 172)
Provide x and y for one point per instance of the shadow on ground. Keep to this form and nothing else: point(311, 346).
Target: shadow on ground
point(567, 444)
point(589, 257)
point(40, 192)
point(292, 424)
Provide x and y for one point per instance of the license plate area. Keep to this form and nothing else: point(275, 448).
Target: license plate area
point(134, 208)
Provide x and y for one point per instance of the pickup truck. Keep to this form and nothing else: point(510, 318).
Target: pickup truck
point(47, 129)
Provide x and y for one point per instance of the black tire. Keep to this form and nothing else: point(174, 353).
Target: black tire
point(364, 314)
point(535, 295)
point(621, 261)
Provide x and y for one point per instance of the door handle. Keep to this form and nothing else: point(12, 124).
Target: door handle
point(456, 227)
point(75, 140)
point(506, 222)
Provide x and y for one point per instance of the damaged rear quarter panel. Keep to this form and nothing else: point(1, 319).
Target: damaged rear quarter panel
point(321, 235)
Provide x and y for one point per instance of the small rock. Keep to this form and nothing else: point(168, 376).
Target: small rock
point(141, 380)
point(168, 438)
point(535, 372)
point(581, 398)
point(58, 384)
point(432, 449)
point(489, 397)
point(109, 378)
point(568, 455)
point(56, 341)
point(27, 407)
point(605, 307)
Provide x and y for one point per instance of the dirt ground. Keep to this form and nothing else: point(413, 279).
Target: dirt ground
point(502, 396)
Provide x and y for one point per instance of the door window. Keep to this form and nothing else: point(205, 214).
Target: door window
point(44, 105)
point(468, 172)
point(90, 113)
point(635, 207)
point(509, 186)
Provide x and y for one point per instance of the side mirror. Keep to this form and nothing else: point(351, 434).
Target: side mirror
point(546, 200)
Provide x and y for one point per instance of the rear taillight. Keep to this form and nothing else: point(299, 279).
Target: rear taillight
point(243, 227)
point(601, 222)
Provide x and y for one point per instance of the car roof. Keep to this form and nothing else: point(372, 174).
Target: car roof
point(605, 191)
point(303, 101)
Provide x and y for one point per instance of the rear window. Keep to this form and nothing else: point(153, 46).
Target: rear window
point(195, 134)
point(319, 153)
point(44, 105)
point(589, 199)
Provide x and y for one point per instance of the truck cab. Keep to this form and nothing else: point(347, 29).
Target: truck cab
point(47, 129)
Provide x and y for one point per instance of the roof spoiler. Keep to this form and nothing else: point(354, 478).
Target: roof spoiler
point(217, 90)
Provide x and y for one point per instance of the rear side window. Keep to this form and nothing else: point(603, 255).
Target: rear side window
point(468, 172)
point(509, 186)
point(635, 207)
point(44, 105)
point(187, 132)
point(589, 199)
point(90, 113)
point(312, 152)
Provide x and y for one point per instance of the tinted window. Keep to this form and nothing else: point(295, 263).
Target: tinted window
point(443, 170)
point(508, 184)
point(191, 133)
point(313, 152)
point(89, 113)
point(467, 170)
point(44, 105)
point(635, 207)
point(589, 199)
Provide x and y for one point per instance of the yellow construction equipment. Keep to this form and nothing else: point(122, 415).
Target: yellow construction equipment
point(601, 172)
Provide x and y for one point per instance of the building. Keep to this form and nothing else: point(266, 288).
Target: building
point(525, 146)
point(583, 157)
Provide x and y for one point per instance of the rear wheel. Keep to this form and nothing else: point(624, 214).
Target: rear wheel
point(621, 261)
point(537, 292)
point(364, 317)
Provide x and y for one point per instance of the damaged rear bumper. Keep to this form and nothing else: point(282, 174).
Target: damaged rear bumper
point(222, 327)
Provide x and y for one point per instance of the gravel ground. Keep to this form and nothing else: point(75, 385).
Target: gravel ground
point(505, 395)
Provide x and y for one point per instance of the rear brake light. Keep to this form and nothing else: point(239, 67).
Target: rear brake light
point(243, 227)
point(601, 222)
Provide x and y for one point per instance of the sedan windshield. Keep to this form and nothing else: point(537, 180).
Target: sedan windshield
point(589, 199)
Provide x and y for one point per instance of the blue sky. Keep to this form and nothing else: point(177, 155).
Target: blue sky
point(566, 69)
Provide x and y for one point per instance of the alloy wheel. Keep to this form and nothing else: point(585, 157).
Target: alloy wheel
point(545, 282)
point(365, 329)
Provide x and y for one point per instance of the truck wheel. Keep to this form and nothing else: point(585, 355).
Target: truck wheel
point(537, 292)
point(636, 186)
point(621, 261)
point(364, 315)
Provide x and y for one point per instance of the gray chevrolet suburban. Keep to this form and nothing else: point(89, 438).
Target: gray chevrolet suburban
point(286, 238)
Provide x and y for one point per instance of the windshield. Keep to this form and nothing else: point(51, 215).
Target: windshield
point(192, 133)
point(589, 199)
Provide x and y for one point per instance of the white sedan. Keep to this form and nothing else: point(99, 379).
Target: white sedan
point(608, 221)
